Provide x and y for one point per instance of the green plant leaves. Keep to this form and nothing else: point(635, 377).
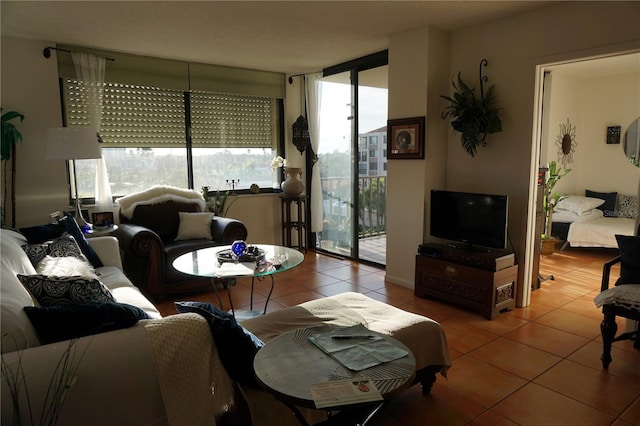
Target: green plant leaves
point(474, 118)
point(10, 134)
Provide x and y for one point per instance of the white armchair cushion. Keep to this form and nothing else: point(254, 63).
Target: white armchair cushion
point(626, 296)
point(194, 226)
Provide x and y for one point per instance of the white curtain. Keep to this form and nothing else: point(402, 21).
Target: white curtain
point(90, 70)
point(313, 89)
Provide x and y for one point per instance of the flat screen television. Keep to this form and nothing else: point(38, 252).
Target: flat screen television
point(470, 218)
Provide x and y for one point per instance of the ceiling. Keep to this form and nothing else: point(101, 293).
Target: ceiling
point(284, 36)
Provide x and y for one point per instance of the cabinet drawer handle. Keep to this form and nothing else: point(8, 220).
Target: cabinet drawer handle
point(450, 271)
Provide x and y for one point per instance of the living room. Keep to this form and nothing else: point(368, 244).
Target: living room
point(424, 57)
point(422, 61)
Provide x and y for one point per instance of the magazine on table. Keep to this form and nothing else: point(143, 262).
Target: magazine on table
point(232, 269)
point(356, 347)
point(344, 392)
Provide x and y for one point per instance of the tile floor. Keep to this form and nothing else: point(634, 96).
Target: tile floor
point(538, 365)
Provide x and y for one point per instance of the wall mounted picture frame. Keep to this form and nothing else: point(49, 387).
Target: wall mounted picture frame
point(405, 138)
point(613, 134)
point(102, 219)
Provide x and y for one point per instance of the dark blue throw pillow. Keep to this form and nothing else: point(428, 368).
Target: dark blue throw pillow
point(237, 346)
point(609, 206)
point(41, 233)
point(58, 323)
point(629, 259)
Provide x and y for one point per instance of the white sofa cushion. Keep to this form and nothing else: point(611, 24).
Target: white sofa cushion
point(14, 297)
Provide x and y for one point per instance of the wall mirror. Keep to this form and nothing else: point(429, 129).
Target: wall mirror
point(631, 144)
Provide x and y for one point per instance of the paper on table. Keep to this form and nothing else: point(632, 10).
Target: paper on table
point(232, 269)
point(357, 348)
point(343, 392)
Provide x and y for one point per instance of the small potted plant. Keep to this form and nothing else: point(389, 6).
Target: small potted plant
point(549, 200)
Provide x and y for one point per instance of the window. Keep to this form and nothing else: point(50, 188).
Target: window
point(146, 139)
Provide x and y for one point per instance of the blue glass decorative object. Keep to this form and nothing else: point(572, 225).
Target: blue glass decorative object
point(239, 248)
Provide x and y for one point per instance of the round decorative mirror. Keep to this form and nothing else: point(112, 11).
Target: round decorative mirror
point(631, 144)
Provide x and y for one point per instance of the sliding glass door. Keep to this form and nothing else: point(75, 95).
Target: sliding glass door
point(335, 160)
point(352, 163)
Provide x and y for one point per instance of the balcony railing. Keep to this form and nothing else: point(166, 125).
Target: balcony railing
point(336, 194)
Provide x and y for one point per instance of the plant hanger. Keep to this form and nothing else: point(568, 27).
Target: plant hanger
point(474, 118)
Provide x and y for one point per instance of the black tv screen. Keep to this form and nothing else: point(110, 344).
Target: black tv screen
point(470, 218)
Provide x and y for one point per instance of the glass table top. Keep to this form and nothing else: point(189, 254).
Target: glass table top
point(204, 262)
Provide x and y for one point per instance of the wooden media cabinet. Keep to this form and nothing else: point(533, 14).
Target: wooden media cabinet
point(482, 281)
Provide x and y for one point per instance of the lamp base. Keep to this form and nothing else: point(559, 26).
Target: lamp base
point(83, 224)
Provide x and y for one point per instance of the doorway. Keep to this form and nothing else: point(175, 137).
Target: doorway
point(586, 96)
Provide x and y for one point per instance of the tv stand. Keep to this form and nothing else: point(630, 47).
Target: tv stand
point(479, 280)
point(469, 247)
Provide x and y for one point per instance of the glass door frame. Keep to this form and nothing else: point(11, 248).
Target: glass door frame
point(354, 67)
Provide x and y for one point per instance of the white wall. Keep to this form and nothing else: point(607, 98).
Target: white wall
point(593, 104)
point(514, 47)
point(30, 86)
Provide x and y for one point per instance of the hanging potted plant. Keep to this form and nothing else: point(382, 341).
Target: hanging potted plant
point(10, 138)
point(473, 117)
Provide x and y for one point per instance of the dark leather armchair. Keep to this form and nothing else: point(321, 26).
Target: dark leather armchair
point(148, 246)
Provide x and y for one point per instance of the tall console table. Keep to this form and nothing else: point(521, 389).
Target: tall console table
point(289, 225)
point(482, 281)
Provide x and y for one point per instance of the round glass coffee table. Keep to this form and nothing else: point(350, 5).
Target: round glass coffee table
point(205, 263)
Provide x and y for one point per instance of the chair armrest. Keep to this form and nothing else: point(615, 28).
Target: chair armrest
point(606, 272)
point(107, 249)
point(137, 240)
point(225, 230)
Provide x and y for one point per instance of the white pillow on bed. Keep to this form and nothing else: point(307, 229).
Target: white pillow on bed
point(570, 217)
point(578, 204)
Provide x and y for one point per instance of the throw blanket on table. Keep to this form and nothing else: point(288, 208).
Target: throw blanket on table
point(195, 387)
point(158, 194)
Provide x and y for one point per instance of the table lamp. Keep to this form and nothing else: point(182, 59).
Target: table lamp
point(73, 143)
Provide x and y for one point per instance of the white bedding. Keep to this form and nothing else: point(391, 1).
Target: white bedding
point(570, 217)
point(599, 232)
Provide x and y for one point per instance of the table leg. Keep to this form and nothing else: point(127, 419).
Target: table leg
point(215, 289)
point(266, 303)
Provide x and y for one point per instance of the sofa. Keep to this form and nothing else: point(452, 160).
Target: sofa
point(168, 371)
point(150, 238)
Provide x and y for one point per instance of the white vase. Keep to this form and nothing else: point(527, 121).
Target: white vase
point(293, 184)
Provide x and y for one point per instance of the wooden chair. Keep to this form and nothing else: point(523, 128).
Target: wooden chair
point(619, 301)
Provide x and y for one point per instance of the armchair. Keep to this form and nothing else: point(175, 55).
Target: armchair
point(147, 236)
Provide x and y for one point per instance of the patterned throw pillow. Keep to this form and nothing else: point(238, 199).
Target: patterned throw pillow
point(627, 206)
point(63, 246)
point(53, 291)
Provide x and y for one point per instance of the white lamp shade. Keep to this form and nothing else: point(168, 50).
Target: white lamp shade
point(72, 143)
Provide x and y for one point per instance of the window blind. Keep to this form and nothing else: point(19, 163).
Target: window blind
point(132, 116)
point(136, 116)
point(232, 121)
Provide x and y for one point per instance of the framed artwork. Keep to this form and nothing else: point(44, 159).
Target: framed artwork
point(613, 134)
point(102, 219)
point(405, 138)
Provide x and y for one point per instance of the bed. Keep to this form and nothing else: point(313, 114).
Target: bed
point(595, 219)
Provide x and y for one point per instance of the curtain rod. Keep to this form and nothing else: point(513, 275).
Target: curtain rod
point(47, 52)
point(295, 75)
